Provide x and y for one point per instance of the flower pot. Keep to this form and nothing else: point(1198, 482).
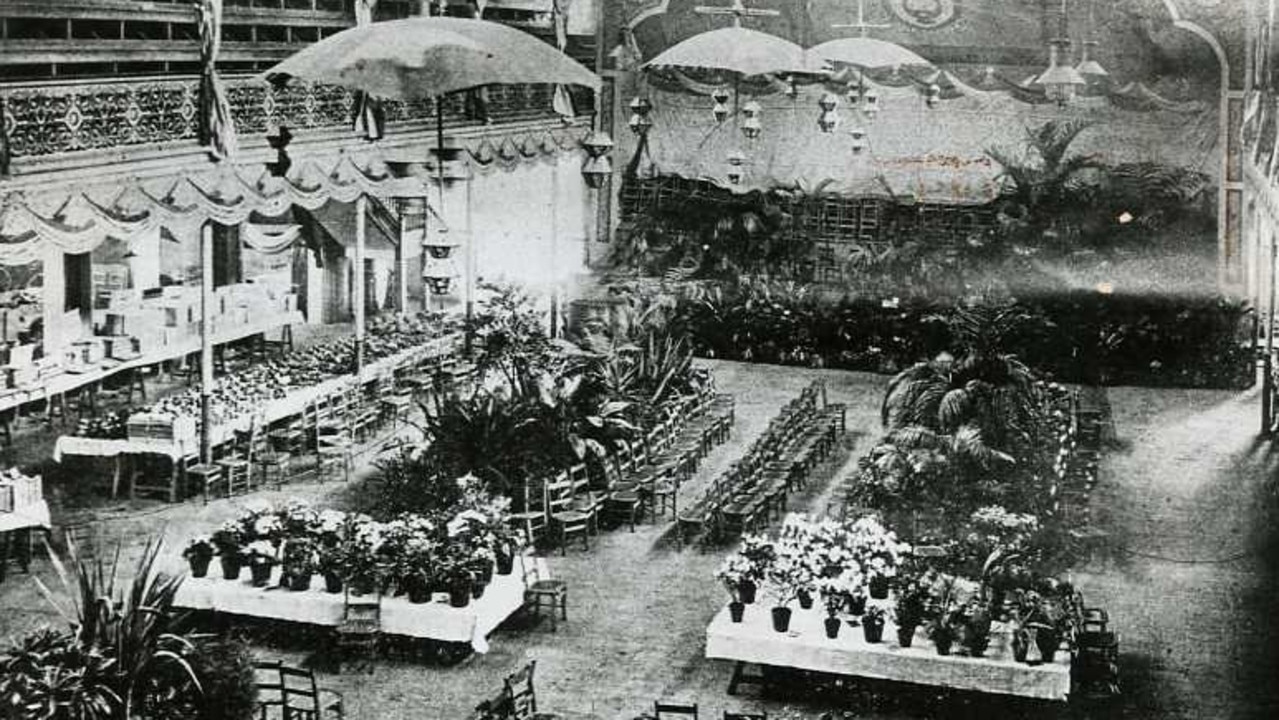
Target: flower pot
point(419, 593)
point(505, 563)
point(873, 631)
point(1047, 641)
point(199, 565)
point(360, 587)
point(298, 582)
point(332, 582)
point(781, 619)
point(878, 587)
point(484, 572)
point(977, 646)
point(1021, 645)
point(832, 627)
point(736, 610)
point(230, 567)
point(459, 597)
point(856, 605)
point(905, 636)
point(943, 642)
point(477, 589)
point(805, 600)
point(746, 591)
point(261, 573)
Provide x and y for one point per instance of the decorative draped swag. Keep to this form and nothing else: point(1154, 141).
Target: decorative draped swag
point(80, 221)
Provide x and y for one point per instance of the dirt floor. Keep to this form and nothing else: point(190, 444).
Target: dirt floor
point(1188, 573)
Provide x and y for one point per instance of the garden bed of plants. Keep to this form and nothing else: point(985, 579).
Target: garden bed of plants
point(1072, 336)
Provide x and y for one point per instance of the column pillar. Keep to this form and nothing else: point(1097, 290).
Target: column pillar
point(357, 285)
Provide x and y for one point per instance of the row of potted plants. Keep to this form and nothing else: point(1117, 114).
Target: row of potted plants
point(862, 576)
point(411, 555)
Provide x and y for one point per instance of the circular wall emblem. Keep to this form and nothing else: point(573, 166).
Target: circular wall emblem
point(926, 14)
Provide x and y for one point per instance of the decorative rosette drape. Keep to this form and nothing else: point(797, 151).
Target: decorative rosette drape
point(217, 129)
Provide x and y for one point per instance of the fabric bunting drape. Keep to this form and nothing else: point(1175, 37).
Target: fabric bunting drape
point(226, 195)
point(368, 119)
point(217, 128)
point(269, 239)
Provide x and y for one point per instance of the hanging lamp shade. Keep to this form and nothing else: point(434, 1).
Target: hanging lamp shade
point(1060, 81)
point(737, 50)
point(867, 53)
point(1088, 67)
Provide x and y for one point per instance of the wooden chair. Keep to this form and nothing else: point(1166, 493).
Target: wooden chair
point(521, 698)
point(270, 686)
point(304, 700)
point(270, 462)
point(334, 439)
point(541, 590)
point(237, 465)
point(203, 477)
point(585, 501)
point(533, 519)
point(360, 629)
point(667, 709)
point(565, 518)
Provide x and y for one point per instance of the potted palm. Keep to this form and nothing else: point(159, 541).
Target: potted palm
point(199, 553)
point(228, 540)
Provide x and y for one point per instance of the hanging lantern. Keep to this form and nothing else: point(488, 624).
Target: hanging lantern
point(438, 244)
point(720, 110)
point(1088, 67)
point(828, 121)
point(640, 124)
point(596, 170)
point(751, 126)
point(792, 89)
point(597, 144)
point(870, 103)
point(1060, 81)
point(934, 95)
point(859, 139)
point(641, 105)
point(439, 275)
point(736, 161)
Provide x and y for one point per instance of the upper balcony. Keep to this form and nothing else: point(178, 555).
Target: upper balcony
point(85, 82)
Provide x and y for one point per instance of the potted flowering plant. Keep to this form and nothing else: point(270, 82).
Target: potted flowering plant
point(759, 553)
point(975, 627)
point(944, 626)
point(454, 572)
point(261, 556)
point(911, 609)
point(329, 563)
point(297, 519)
point(735, 573)
point(199, 553)
point(359, 551)
point(298, 563)
point(228, 541)
point(329, 526)
point(834, 594)
point(1051, 624)
point(877, 550)
point(481, 567)
point(855, 583)
point(873, 624)
point(785, 577)
point(260, 522)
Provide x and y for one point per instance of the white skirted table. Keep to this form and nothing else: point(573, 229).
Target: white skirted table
point(436, 620)
point(14, 529)
point(806, 647)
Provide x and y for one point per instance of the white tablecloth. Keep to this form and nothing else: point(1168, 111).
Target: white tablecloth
point(36, 515)
point(435, 620)
point(806, 647)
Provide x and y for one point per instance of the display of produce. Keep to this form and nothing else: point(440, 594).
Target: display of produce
point(244, 391)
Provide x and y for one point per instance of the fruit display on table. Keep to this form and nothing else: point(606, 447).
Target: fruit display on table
point(246, 390)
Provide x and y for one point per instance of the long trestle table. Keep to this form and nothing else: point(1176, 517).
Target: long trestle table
point(806, 647)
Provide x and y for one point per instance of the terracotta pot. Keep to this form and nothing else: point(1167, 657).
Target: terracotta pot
point(332, 582)
point(832, 627)
point(805, 600)
point(1047, 641)
point(878, 587)
point(781, 619)
point(459, 597)
point(261, 574)
point(419, 593)
point(746, 592)
point(505, 563)
point(943, 641)
point(736, 610)
point(230, 567)
point(905, 636)
point(873, 630)
point(477, 589)
point(199, 565)
point(298, 582)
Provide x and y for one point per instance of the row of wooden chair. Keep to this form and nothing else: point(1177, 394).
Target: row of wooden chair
point(754, 489)
point(289, 693)
point(636, 478)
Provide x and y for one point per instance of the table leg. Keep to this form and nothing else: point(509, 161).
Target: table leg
point(23, 539)
point(115, 475)
point(173, 481)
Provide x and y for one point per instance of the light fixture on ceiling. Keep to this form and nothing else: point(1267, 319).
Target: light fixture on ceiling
point(828, 121)
point(751, 126)
point(1088, 65)
point(1060, 81)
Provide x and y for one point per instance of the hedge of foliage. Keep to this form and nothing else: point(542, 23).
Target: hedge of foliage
point(1070, 336)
